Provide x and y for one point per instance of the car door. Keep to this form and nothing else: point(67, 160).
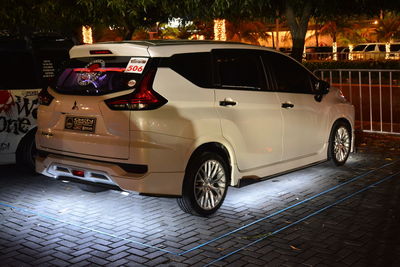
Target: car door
point(250, 115)
point(303, 116)
point(371, 52)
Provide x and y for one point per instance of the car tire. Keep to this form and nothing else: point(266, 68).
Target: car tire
point(205, 184)
point(339, 143)
point(26, 152)
point(92, 188)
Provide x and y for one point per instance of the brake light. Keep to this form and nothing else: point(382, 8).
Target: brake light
point(143, 98)
point(98, 69)
point(44, 97)
point(100, 52)
point(78, 173)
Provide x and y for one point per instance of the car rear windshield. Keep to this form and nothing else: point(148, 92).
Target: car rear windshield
point(98, 76)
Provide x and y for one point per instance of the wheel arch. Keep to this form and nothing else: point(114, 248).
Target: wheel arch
point(26, 150)
point(219, 148)
point(28, 134)
point(344, 120)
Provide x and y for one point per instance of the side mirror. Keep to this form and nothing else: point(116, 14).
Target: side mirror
point(321, 89)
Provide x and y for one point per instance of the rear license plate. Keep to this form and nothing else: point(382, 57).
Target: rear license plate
point(83, 124)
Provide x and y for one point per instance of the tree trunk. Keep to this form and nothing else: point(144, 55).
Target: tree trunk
point(128, 34)
point(129, 29)
point(277, 30)
point(273, 39)
point(298, 25)
point(298, 48)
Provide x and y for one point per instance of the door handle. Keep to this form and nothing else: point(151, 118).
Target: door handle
point(225, 103)
point(287, 105)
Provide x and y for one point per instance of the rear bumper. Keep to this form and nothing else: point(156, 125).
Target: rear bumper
point(110, 173)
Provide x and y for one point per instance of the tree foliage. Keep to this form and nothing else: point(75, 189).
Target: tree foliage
point(388, 27)
point(24, 16)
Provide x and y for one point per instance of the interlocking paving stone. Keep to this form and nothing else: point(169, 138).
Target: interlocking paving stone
point(61, 225)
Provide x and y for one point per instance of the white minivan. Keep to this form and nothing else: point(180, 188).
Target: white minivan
point(376, 51)
point(187, 118)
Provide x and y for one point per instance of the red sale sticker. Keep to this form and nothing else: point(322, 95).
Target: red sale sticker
point(136, 64)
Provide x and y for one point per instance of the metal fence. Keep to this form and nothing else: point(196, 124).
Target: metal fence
point(374, 93)
point(323, 56)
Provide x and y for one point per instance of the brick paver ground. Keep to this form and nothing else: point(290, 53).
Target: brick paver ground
point(318, 216)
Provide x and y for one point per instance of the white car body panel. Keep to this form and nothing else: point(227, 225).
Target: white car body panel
point(167, 51)
point(253, 126)
point(305, 129)
point(111, 139)
point(125, 49)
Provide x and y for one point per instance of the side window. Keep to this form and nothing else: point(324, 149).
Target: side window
point(395, 48)
point(195, 67)
point(370, 48)
point(239, 69)
point(289, 75)
point(359, 48)
point(382, 48)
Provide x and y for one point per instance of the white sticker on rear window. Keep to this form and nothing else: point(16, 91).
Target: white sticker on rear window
point(136, 64)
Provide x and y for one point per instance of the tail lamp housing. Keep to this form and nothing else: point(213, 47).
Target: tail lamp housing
point(142, 98)
point(45, 98)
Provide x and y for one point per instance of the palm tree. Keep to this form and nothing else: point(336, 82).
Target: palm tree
point(388, 27)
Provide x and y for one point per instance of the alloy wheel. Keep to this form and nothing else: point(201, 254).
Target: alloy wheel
point(210, 184)
point(341, 144)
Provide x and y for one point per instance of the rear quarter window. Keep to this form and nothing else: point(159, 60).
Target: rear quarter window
point(195, 67)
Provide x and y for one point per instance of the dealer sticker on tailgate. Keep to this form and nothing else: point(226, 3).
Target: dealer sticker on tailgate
point(136, 64)
point(83, 124)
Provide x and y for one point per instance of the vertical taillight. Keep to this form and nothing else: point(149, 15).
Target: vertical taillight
point(44, 97)
point(143, 98)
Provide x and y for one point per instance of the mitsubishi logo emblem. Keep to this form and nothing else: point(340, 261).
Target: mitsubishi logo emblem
point(75, 107)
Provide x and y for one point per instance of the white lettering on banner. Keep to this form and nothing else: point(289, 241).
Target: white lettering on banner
point(48, 68)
